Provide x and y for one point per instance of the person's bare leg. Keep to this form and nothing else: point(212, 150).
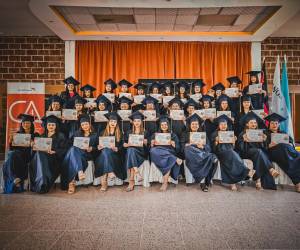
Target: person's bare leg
point(81, 175)
point(131, 181)
point(103, 183)
point(71, 189)
point(233, 187)
point(274, 172)
point(258, 185)
point(164, 186)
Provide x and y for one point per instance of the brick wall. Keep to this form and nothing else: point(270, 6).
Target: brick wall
point(289, 46)
point(30, 59)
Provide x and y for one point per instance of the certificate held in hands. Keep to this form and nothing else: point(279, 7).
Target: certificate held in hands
point(81, 142)
point(232, 92)
point(110, 96)
point(138, 98)
point(196, 97)
point(209, 113)
point(225, 112)
point(254, 88)
point(90, 103)
point(42, 144)
point(198, 137)
point(124, 114)
point(226, 136)
point(69, 114)
point(55, 113)
point(177, 115)
point(163, 139)
point(279, 138)
point(168, 98)
point(107, 141)
point(99, 116)
point(259, 112)
point(255, 135)
point(136, 140)
point(150, 115)
point(21, 140)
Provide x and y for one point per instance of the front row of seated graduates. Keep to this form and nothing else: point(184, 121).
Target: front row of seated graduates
point(164, 139)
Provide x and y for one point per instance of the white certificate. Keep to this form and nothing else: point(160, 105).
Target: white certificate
point(110, 96)
point(177, 115)
point(226, 112)
point(259, 112)
point(197, 137)
point(158, 97)
point(167, 98)
point(163, 139)
point(69, 114)
point(90, 103)
point(232, 92)
point(107, 141)
point(254, 88)
point(42, 144)
point(255, 135)
point(81, 142)
point(183, 100)
point(124, 114)
point(196, 97)
point(127, 95)
point(226, 136)
point(136, 140)
point(199, 112)
point(210, 113)
point(55, 113)
point(99, 116)
point(280, 138)
point(21, 140)
point(138, 98)
point(150, 115)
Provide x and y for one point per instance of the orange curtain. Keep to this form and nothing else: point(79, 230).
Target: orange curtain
point(96, 61)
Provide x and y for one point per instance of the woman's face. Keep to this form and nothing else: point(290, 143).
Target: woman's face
point(124, 88)
point(190, 109)
point(181, 90)
point(252, 124)
point(246, 104)
point(155, 91)
point(26, 125)
point(175, 106)
point(149, 106)
point(168, 90)
point(55, 106)
point(85, 126)
point(233, 85)
point(87, 93)
point(124, 106)
point(253, 79)
point(137, 123)
point(108, 88)
point(223, 126)
point(194, 126)
point(112, 123)
point(140, 91)
point(78, 106)
point(101, 106)
point(211, 92)
point(206, 104)
point(197, 89)
point(70, 87)
point(274, 126)
point(224, 105)
point(164, 126)
point(218, 92)
point(51, 127)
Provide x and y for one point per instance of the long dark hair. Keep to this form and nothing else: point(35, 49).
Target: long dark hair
point(22, 130)
point(46, 130)
point(169, 127)
point(84, 96)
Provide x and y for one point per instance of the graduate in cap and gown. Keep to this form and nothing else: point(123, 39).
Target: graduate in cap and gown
point(45, 167)
point(257, 153)
point(284, 154)
point(165, 156)
point(140, 87)
point(168, 88)
point(224, 103)
point(219, 89)
point(15, 168)
point(209, 125)
point(197, 87)
point(125, 104)
point(76, 159)
point(70, 92)
point(135, 156)
point(55, 103)
point(199, 159)
point(103, 104)
point(234, 82)
point(258, 98)
point(87, 91)
point(246, 106)
point(124, 86)
point(110, 86)
point(182, 89)
point(109, 162)
point(233, 169)
point(177, 126)
point(190, 106)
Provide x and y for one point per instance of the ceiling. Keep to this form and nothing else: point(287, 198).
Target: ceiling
point(234, 20)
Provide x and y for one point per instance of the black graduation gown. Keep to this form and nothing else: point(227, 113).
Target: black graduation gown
point(151, 126)
point(68, 101)
point(164, 157)
point(235, 105)
point(209, 128)
point(233, 169)
point(76, 159)
point(44, 167)
point(109, 161)
point(257, 153)
point(287, 158)
point(202, 163)
point(16, 166)
point(257, 100)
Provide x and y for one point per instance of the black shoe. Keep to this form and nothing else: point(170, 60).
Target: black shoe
point(205, 188)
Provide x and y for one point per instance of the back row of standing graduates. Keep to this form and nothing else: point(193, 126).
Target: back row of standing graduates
point(122, 160)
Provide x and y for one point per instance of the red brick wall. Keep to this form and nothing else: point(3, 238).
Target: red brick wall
point(31, 59)
point(289, 46)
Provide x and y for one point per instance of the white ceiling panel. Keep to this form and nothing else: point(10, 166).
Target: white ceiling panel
point(180, 27)
point(231, 11)
point(108, 27)
point(122, 11)
point(209, 11)
point(145, 27)
point(100, 11)
point(127, 27)
point(244, 19)
point(238, 27)
point(144, 18)
point(144, 11)
point(88, 27)
point(82, 18)
point(164, 27)
point(187, 20)
point(171, 12)
point(189, 11)
point(220, 28)
point(252, 10)
point(201, 28)
point(165, 19)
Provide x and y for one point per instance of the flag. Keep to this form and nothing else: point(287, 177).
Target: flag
point(264, 81)
point(287, 125)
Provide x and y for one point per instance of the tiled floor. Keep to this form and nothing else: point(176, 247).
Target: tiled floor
point(181, 218)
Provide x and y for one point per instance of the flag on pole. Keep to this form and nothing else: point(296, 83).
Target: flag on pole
point(287, 125)
point(264, 81)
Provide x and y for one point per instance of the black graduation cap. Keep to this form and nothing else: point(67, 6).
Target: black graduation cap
point(168, 84)
point(124, 99)
point(191, 102)
point(149, 99)
point(51, 119)
point(155, 85)
point(136, 115)
point(253, 72)
point(84, 118)
point(26, 117)
point(164, 118)
point(182, 84)
point(252, 116)
point(199, 83)
point(87, 87)
point(137, 107)
point(218, 86)
point(223, 97)
point(233, 79)
point(223, 118)
point(71, 80)
point(275, 117)
point(246, 98)
point(125, 82)
point(193, 118)
point(207, 98)
point(55, 98)
point(140, 86)
point(103, 99)
point(176, 100)
point(113, 116)
point(79, 100)
point(111, 83)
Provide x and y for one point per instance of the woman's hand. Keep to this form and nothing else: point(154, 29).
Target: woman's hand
point(126, 145)
point(100, 147)
point(264, 137)
point(152, 143)
point(245, 137)
point(200, 145)
point(217, 140)
point(145, 141)
point(115, 149)
point(272, 144)
point(51, 152)
point(173, 144)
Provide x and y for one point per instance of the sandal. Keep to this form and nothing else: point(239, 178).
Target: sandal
point(251, 173)
point(71, 189)
point(17, 182)
point(164, 187)
point(258, 185)
point(130, 186)
point(81, 175)
point(233, 187)
point(274, 172)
